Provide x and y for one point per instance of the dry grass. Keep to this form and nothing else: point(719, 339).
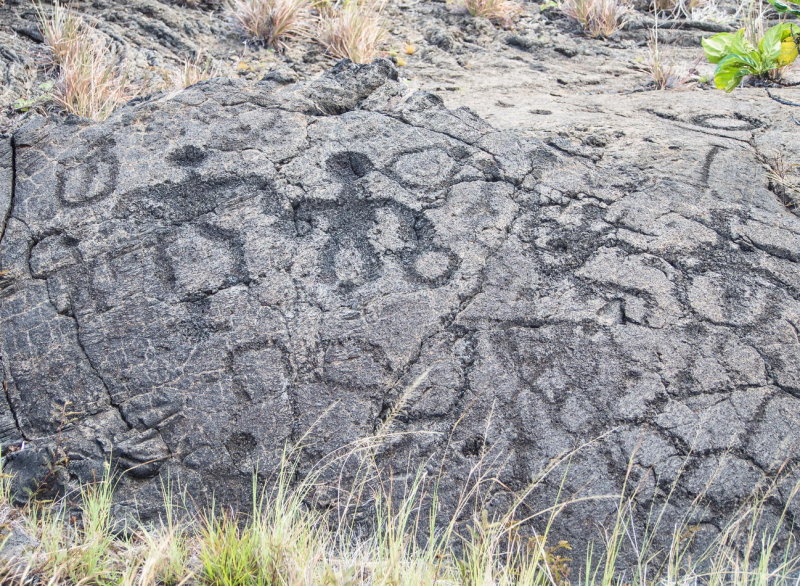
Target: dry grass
point(287, 540)
point(697, 10)
point(196, 70)
point(62, 30)
point(272, 22)
point(501, 12)
point(676, 7)
point(353, 29)
point(701, 10)
point(91, 82)
point(665, 74)
point(599, 18)
point(752, 16)
point(661, 69)
point(784, 180)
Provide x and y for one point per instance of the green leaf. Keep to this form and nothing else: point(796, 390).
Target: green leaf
point(789, 7)
point(719, 46)
point(770, 44)
point(732, 69)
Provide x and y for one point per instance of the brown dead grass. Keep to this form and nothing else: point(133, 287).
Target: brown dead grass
point(664, 72)
point(91, 81)
point(196, 70)
point(599, 18)
point(501, 12)
point(272, 22)
point(353, 29)
point(784, 180)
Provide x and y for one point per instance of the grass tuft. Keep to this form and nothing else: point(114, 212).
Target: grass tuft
point(196, 70)
point(501, 12)
point(784, 180)
point(272, 22)
point(91, 81)
point(598, 18)
point(353, 29)
point(664, 72)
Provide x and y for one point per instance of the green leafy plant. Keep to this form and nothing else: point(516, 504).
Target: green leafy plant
point(736, 57)
point(786, 7)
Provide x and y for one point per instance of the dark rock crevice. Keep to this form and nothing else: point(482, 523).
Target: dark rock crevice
point(11, 173)
point(94, 368)
point(4, 435)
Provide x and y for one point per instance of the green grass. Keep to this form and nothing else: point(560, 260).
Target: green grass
point(283, 541)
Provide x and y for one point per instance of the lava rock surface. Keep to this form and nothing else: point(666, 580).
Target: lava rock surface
point(211, 275)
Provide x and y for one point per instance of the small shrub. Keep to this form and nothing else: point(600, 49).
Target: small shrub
point(736, 57)
point(353, 29)
point(599, 18)
point(272, 22)
point(501, 12)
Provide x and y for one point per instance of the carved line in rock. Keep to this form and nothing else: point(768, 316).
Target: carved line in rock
point(90, 176)
point(732, 122)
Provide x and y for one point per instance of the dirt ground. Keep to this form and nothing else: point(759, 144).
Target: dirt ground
point(544, 77)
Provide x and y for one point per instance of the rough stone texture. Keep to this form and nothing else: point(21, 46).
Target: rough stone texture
point(15, 541)
point(204, 277)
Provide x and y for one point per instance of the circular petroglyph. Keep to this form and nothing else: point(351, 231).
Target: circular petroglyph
point(427, 168)
point(432, 264)
point(725, 122)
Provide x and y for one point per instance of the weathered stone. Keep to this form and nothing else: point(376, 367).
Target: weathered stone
point(204, 277)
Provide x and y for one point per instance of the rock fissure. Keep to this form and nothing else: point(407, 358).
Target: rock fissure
point(111, 401)
point(12, 186)
point(9, 401)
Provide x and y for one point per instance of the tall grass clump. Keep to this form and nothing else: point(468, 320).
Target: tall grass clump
point(387, 529)
point(352, 29)
point(598, 18)
point(91, 80)
point(83, 549)
point(501, 12)
point(282, 541)
point(272, 22)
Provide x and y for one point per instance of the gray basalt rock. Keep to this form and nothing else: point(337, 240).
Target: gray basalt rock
point(206, 276)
